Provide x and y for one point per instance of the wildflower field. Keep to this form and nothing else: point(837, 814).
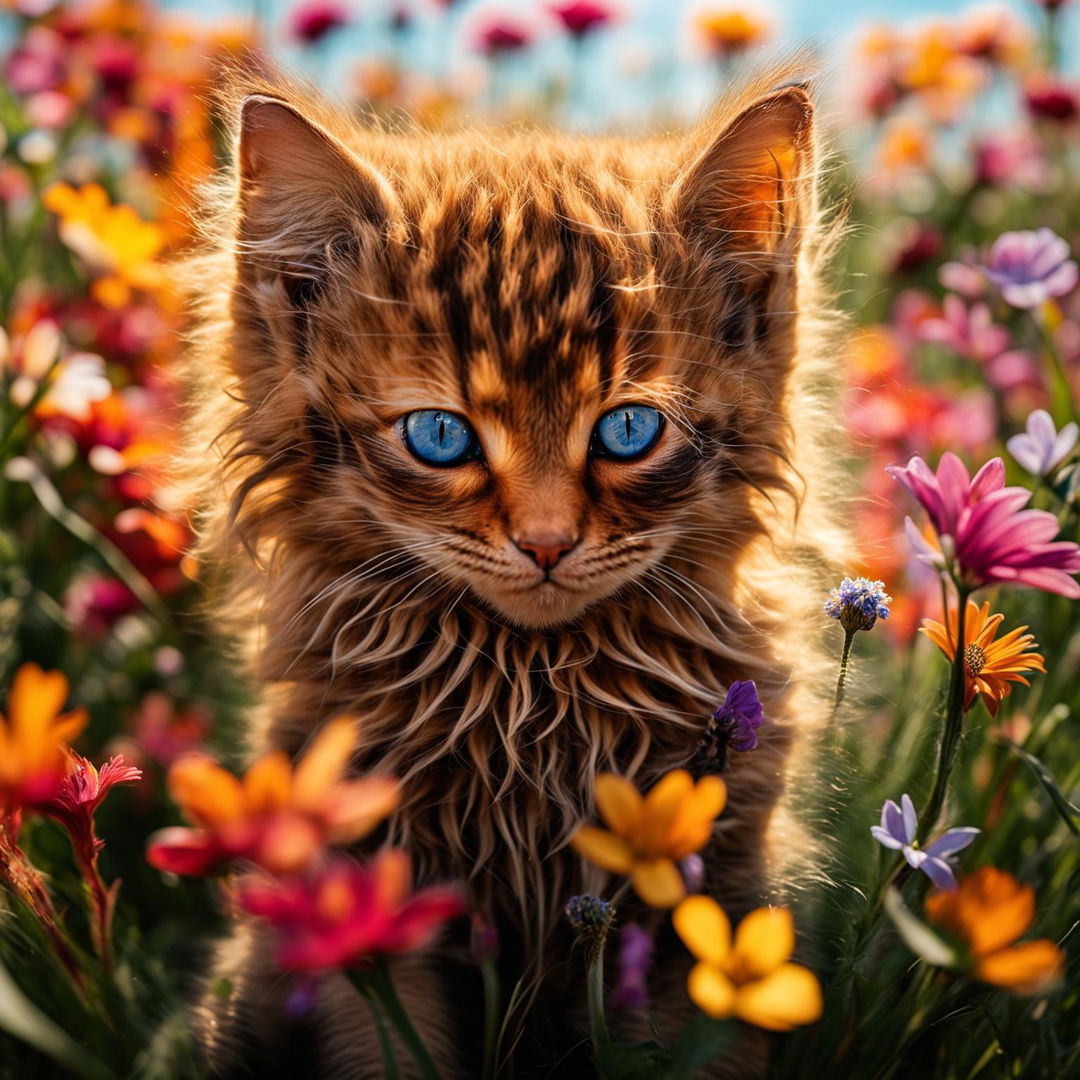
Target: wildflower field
point(937, 932)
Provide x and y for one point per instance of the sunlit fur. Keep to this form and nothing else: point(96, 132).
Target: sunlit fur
point(529, 281)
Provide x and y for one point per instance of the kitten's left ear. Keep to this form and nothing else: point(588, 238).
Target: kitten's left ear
point(749, 194)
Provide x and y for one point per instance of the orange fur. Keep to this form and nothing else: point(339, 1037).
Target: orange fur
point(531, 281)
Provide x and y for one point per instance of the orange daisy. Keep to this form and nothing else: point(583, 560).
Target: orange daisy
point(990, 664)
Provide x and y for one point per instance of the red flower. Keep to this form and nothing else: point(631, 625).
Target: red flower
point(582, 17)
point(501, 37)
point(312, 21)
point(347, 913)
point(1052, 99)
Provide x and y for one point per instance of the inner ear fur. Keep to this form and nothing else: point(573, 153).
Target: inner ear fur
point(302, 193)
point(749, 193)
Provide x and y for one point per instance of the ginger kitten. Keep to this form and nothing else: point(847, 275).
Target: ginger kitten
point(509, 441)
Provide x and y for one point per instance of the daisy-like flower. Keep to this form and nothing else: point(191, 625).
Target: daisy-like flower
point(346, 913)
point(1041, 447)
point(898, 828)
point(1031, 267)
point(277, 816)
point(34, 737)
point(647, 836)
point(984, 534)
point(990, 664)
point(858, 603)
point(751, 977)
point(987, 913)
point(113, 241)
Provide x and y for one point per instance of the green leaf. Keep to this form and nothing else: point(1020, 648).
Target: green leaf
point(1069, 812)
point(918, 937)
point(703, 1041)
point(20, 1017)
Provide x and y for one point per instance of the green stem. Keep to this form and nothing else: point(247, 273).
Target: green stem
point(383, 987)
point(845, 657)
point(1060, 391)
point(597, 1020)
point(954, 722)
point(382, 1029)
point(491, 1017)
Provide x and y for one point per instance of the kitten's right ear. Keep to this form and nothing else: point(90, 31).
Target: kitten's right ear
point(302, 193)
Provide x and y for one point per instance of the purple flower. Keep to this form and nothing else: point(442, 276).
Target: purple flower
point(897, 830)
point(740, 716)
point(1042, 446)
point(858, 603)
point(1031, 267)
point(635, 955)
point(692, 869)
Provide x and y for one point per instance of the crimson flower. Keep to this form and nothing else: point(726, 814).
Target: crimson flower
point(501, 36)
point(312, 21)
point(581, 17)
point(346, 913)
point(984, 534)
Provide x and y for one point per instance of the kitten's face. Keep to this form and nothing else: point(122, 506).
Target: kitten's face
point(526, 379)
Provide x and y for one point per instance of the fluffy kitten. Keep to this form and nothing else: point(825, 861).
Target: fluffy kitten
point(509, 595)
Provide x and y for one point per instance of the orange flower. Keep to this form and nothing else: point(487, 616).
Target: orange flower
point(988, 912)
point(731, 31)
point(277, 816)
point(750, 978)
point(989, 665)
point(112, 240)
point(34, 736)
point(904, 145)
point(649, 835)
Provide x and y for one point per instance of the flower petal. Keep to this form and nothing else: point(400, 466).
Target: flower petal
point(711, 991)
point(662, 804)
point(785, 999)
point(951, 841)
point(608, 851)
point(704, 928)
point(619, 803)
point(206, 793)
point(182, 851)
point(763, 941)
point(324, 761)
point(1031, 968)
point(939, 872)
point(658, 883)
point(693, 823)
point(268, 782)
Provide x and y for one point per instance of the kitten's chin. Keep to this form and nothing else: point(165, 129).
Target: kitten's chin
point(543, 607)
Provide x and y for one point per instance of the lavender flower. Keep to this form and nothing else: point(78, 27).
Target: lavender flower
point(635, 956)
point(897, 831)
point(1042, 447)
point(858, 603)
point(741, 715)
point(1031, 267)
point(692, 869)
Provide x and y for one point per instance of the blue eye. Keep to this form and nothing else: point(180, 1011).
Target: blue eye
point(627, 432)
point(439, 438)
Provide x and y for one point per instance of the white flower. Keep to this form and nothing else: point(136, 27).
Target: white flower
point(1042, 446)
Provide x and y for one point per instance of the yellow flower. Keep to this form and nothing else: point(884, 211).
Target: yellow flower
point(989, 665)
point(750, 978)
point(112, 240)
point(648, 835)
point(278, 816)
point(989, 911)
point(34, 736)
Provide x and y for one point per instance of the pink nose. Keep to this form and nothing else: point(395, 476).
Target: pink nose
point(546, 551)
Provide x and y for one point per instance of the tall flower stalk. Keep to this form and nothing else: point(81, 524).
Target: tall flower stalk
point(857, 604)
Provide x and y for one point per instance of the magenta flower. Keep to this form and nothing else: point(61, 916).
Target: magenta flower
point(581, 17)
point(313, 20)
point(345, 913)
point(984, 534)
point(898, 828)
point(1041, 448)
point(501, 37)
point(1031, 267)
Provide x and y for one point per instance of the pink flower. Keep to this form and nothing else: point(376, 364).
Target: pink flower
point(345, 913)
point(313, 20)
point(984, 533)
point(581, 17)
point(971, 332)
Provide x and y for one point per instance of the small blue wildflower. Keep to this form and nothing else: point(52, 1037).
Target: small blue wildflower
point(897, 831)
point(589, 914)
point(858, 603)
